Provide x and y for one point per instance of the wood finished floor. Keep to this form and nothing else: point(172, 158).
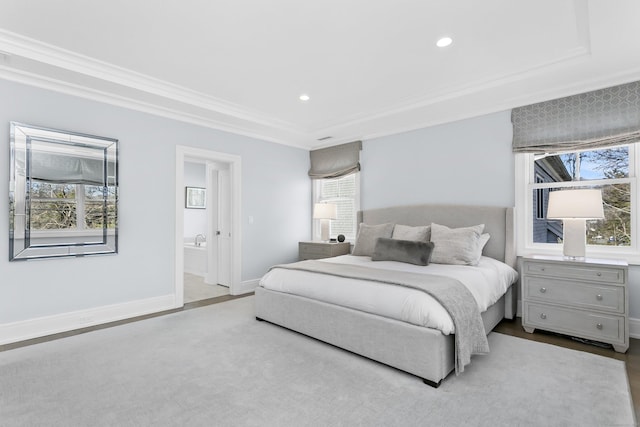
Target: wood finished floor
point(631, 357)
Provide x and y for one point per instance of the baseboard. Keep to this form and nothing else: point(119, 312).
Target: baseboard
point(43, 326)
point(246, 286)
point(634, 328)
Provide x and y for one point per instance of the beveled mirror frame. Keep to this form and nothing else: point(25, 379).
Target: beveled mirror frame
point(63, 194)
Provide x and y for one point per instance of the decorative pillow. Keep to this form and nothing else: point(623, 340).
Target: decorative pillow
point(417, 234)
point(409, 251)
point(460, 246)
point(367, 235)
point(484, 238)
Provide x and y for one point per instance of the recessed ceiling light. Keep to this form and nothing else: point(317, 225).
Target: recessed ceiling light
point(444, 42)
point(304, 97)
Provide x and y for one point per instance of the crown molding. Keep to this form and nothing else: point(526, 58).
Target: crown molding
point(451, 93)
point(581, 50)
point(67, 88)
point(136, 91)
point(12, 44)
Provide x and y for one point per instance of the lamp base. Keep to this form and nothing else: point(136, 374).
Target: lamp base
point(324, 230)
point(574, 238)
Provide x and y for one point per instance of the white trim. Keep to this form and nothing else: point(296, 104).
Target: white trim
point(291, 138)
point(260, 124)
point(43, 326)
point(16, 44)
point(235, 173)
point(634, 328)
point(524, 184)
point(247, 286)
point(315, 198)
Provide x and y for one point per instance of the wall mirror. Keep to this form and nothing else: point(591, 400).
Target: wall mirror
point(63, 194)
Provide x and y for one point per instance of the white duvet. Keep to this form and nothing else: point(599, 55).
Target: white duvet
point(487, 281)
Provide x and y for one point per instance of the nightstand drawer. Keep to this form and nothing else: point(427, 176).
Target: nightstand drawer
point(313, 249)
point(591, 325)
point(570, 271)
point(576, 294)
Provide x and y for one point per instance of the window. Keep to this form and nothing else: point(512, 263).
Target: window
point(541, 199)
point(344, 192)
point(69, 207)
point(612, 169)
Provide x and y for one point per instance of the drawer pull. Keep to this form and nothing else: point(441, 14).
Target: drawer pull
point(541, 268)
point(599, 326)
point(544, 316)
point(599, 297)
point(543, 290)
point(599, 274)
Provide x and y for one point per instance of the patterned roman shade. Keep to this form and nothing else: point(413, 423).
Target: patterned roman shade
point(336, 161)
point(601, 118)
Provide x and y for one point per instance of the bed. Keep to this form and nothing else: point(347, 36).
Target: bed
point(423, 351)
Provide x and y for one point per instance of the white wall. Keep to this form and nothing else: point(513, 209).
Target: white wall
point(275, 191)
point(468, 162)
point(195, 220)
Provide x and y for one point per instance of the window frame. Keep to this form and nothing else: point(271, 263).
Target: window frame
point(525, 184)
point(80, 229)
point(315, 198)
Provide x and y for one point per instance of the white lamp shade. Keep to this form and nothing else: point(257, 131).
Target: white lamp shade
point(325, 211)
point(575, 204)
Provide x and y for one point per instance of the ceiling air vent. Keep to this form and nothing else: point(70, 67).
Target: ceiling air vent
point(324, 138)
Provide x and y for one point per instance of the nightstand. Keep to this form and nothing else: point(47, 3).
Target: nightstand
point(317, 250)
point(582, 298)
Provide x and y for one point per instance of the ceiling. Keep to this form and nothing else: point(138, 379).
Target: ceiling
point(370, 67)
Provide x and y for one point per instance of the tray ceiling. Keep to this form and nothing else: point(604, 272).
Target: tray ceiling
point(369, 68)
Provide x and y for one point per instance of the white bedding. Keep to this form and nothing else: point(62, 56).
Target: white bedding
point(487, 281)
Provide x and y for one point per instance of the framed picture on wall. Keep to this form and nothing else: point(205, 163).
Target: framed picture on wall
point(195, 198)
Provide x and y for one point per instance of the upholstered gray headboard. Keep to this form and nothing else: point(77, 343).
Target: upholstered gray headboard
point(498, 221)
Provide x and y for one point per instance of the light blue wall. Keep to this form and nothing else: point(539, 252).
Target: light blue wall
point(467, 162)
point(275, 191)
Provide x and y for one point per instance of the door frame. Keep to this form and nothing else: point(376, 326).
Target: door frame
point(235, 177)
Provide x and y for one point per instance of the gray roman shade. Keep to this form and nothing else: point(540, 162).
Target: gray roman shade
point(601, 118)
point(336, 161)
point(65, 169)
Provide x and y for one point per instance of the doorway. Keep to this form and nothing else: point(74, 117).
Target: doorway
point(214, 255)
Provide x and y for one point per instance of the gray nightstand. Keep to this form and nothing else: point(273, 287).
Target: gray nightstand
point(317, 250)
point(583, 298)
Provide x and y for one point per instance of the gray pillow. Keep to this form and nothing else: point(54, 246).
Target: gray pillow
point(405, 232)
point(461, 246)
point(367, 235)
point(409, 251)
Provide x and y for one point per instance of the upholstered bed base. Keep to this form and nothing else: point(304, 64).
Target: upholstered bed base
point(420, 351)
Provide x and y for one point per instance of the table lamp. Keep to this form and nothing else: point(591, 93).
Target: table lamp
point(325, 212)
point(574, 207)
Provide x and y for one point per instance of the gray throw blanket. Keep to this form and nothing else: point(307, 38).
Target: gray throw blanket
point(470, 336)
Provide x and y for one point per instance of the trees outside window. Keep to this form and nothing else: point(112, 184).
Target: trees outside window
point(57, 206)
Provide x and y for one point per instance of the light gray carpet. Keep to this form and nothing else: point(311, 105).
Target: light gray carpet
point(217, 366)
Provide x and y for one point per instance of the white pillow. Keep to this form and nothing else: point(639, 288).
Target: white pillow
point(460, 246)
point(367, 236)
point(416, 234)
